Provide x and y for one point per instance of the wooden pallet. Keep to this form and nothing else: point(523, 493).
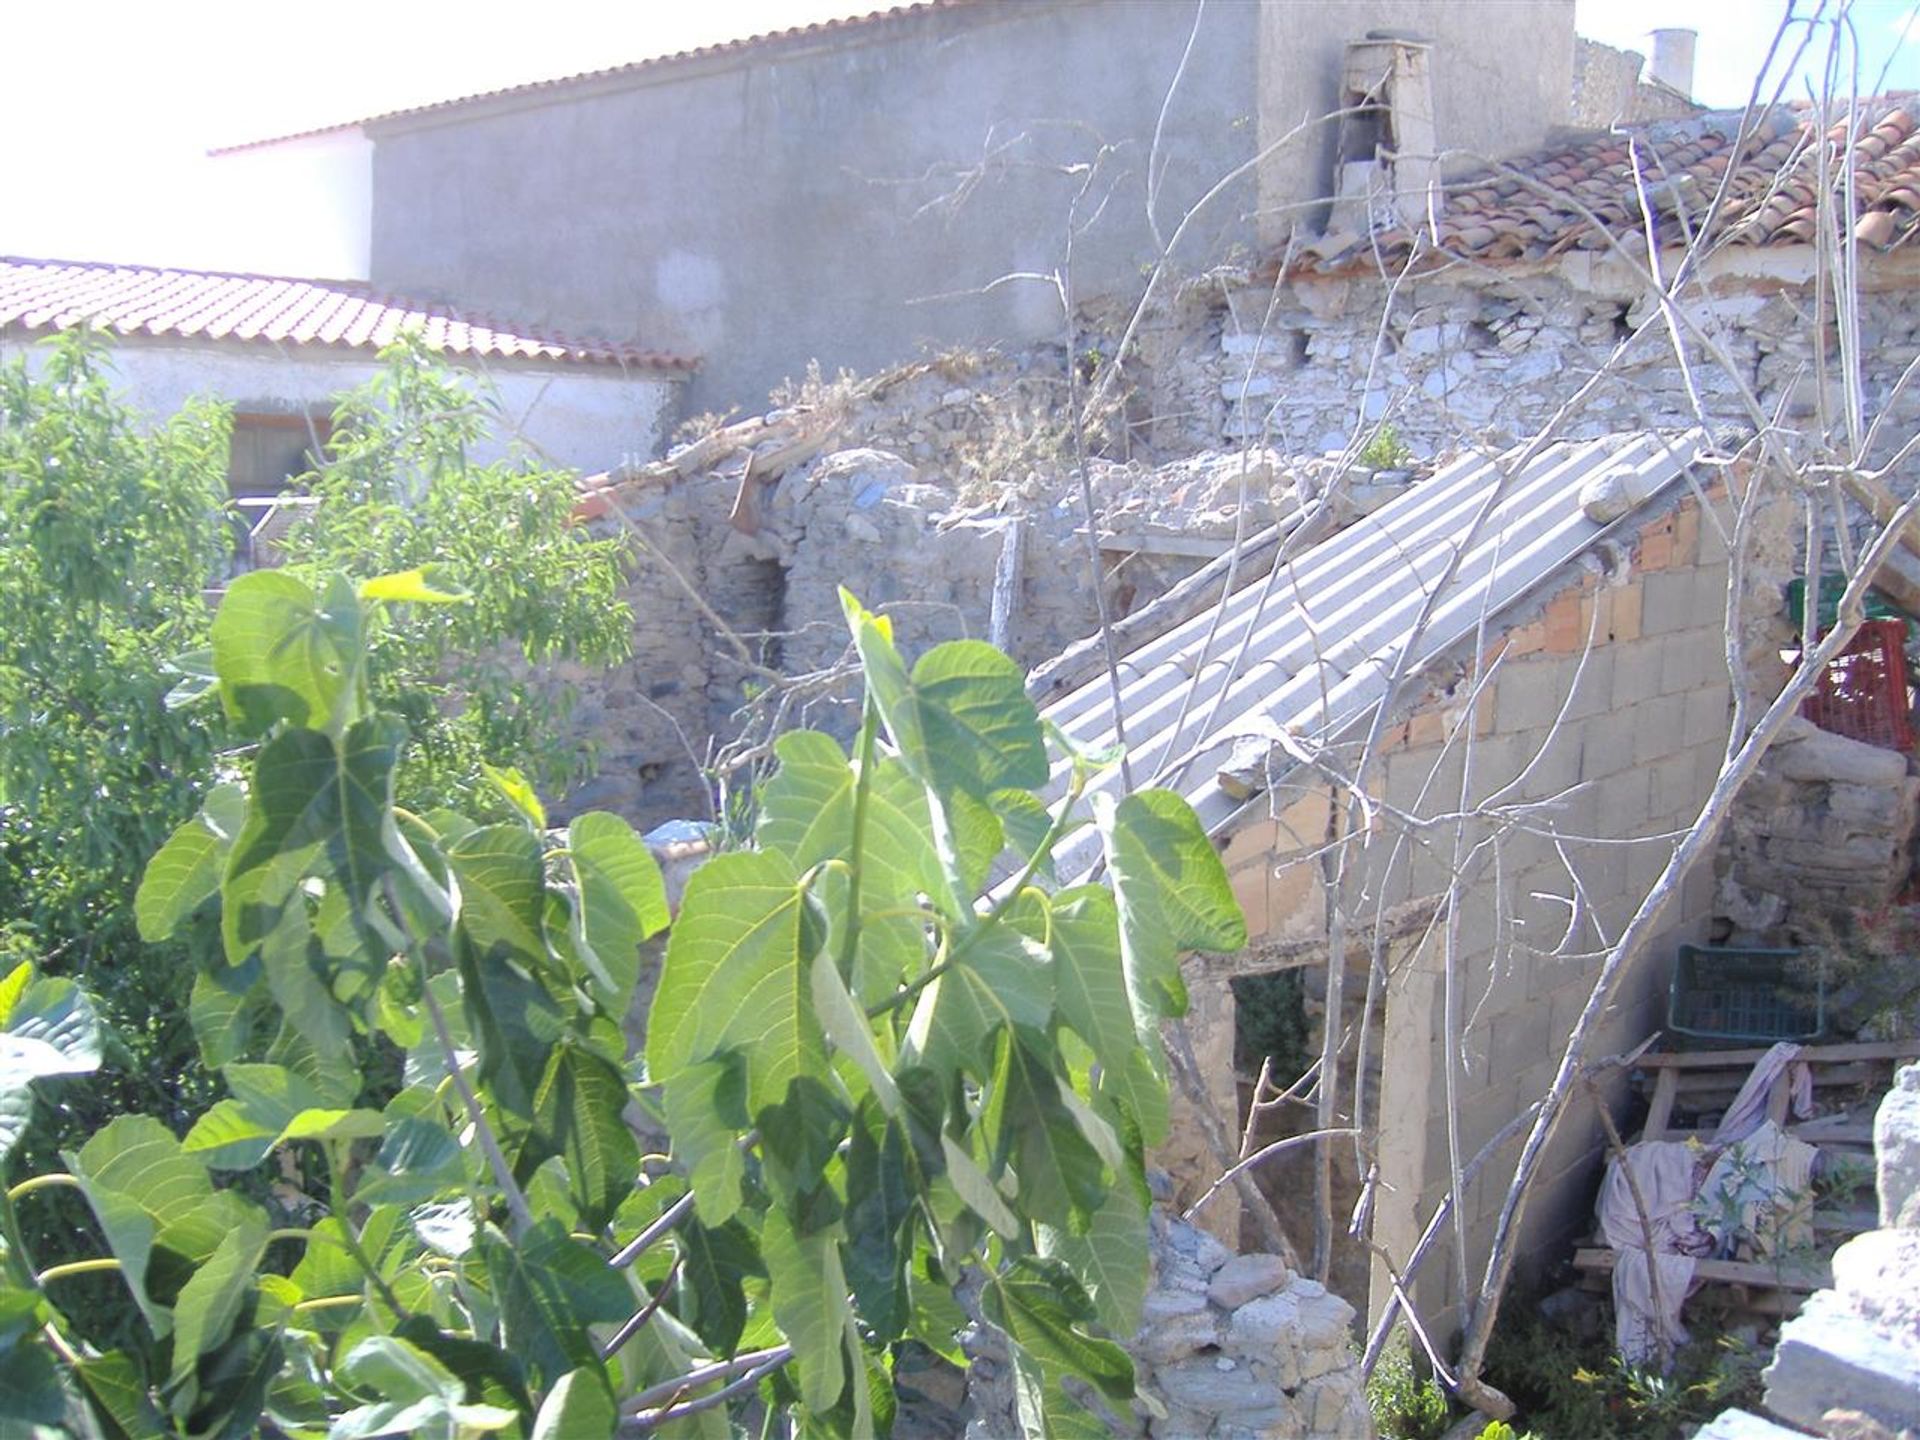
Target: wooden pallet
point(1702, 1075)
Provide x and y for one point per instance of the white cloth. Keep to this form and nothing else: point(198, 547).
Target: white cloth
point(1639, 1329)
point(1757, 1200)
point(1663, 1171)
point(1749, 1107)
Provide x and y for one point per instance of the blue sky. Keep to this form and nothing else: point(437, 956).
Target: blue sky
point(112, 104)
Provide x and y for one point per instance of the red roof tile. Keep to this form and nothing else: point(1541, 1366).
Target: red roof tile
point(742, 47)
point(1577, 195)
point(48, 295)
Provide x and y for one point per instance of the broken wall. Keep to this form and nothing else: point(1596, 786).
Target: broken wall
point(1492, 353)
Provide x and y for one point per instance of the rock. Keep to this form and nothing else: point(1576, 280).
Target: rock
point(1175, 1339)
point(1879, 1275)
point(1246, 1277)
point(1161, 1306)
point(1829, 1357)
point(1852, 1425)
point(1745, 1425)
point(1199, 1384)
point(1896, 1147)
point(1806, 752)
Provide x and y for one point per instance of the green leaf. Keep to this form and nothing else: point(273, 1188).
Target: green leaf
point(579, 1114)
point(413, 587)
point(706, 1113)
point(622, 902)
point(735, 977)
point(1089, 980)
point(880, 1200)
point(118, 1392)
point(185, 872)
point(233, 1384)
point(149, 1195)
point(981, 731)
point(847, 1026)
point(550, 1288)
point(50, 1030)
point(715, 1262)
point(502, 889)
point(270, 1105)
point(971, 1184)
point(1110, 1259)
point(281, 657)
point(1036, 1315)
point(515, 1023)
point(1062, 1179)
point(810, 1304)
point(1172, 895)
point(210, 1302)
point(999, 975)
point(221, 1009)
point(518, 791)
point(579, 1407)
point(418, 1159)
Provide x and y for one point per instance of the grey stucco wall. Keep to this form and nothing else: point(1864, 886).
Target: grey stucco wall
point(789, 205)
point(846, 197)
point(1502, 74)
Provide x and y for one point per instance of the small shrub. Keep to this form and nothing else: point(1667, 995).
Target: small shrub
point(1386, 450)
point(1406, 1405)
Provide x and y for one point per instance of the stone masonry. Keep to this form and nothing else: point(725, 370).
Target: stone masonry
point(1230, 1347)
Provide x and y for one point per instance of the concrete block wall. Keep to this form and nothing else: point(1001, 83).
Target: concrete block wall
point(1599, 728)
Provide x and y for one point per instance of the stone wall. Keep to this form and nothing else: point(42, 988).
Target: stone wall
point(1230, 1347)
point(1308, 365)
point(1599, 732)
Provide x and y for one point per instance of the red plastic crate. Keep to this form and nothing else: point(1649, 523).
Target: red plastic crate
point(1863, 694)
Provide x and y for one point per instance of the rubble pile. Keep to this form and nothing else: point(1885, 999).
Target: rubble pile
point(1229, 1346)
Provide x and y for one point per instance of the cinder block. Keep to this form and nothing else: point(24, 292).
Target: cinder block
point(1691, 659)
point(1670, 602)
point(1526, 640)
point(1531, 694)
point(1674, 800)
point(1708, 714)
point(1710, 592)
point(1606, 746)
point(1593, 689)
point(1655, 552)
point(1624, 802)
point(1637, 665)
point(1657, 727)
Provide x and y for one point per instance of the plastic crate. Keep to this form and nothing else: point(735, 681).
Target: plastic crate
point(1744, 996)
point(1832, 587)
point(1863, 692)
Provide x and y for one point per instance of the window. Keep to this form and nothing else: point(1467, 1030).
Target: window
point(271, 450)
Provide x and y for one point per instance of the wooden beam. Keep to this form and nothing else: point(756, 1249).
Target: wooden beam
point(1801, 1276)
point(1811, 1054)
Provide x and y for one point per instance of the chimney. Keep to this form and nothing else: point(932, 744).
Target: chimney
point(1387, 154)
point(1673, 59)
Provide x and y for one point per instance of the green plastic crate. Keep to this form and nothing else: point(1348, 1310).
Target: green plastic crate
point(1832, 586)
point(1744, 996)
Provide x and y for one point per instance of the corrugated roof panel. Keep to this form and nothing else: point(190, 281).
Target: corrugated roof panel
point(1313, 649)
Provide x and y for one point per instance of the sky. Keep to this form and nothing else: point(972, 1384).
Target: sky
point(110, 106)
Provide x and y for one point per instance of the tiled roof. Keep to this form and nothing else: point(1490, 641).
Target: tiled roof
point(1321, 644)
point(1571, 196)
point(130, 300)
point(742, 47)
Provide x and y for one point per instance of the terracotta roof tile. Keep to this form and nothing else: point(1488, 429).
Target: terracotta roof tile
point(1583, 195)
point(47, 295)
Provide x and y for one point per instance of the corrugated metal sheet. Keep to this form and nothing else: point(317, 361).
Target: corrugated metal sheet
point(1322, 639)
point(43, 296)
